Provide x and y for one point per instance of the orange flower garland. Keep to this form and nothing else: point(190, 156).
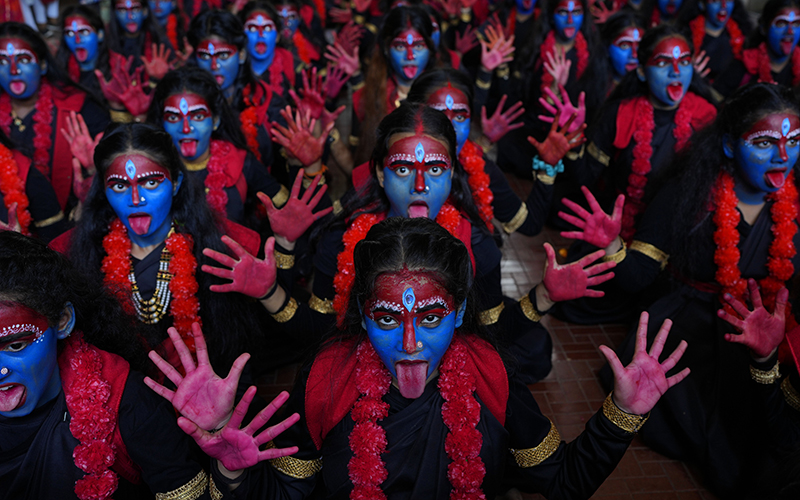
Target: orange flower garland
point(184, 306)
point(726, 237)
point(13, 189)
point(471, 159)
point(698, 27)
point(549, 47)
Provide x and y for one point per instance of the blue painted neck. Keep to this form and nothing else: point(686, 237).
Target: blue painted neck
point(748, 194)
point(261, 66)
point(155, 239)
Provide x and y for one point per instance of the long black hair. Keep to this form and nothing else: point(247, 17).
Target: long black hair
point(63, 54)
point(529, 63)
point(768, 13)
point(228, 27)
point(226, 319)
point(200, 82)
point(371, 198)
point(699, 168)
point(632, 86)
point(41, 279)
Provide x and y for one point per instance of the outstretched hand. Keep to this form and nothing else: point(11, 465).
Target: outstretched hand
point(312, 101)
point(496, 50)
point(298, 139)
point(639, 386)
point(598, 228)
point(80, 183)
point(572, 281)
point(559, 140)
point(157, 65)
point(761, 331)
point(467, 41)
point(501, 122)
point(126, 89)
point(558, 66)
point(296, 216)
point(201, 396)
point(249, 276)
point(239, 448)
point(564, 105)
point(700, 64)
point(601, 13)
point(80, 141)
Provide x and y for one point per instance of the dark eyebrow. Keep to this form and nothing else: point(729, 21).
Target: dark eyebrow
point(385, 310)
point(15, 337)
point(435, 305)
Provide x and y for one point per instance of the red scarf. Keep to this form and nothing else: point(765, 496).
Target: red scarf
point(757, 63)
point(184, 306)
point(471, 159)
point(698, 27)
point(13, 189)
point(249, 119)
point(726, 236)
point(305, 49)
point(42, 125)
point(215, 180)
point(172, 31)
point(549, 47)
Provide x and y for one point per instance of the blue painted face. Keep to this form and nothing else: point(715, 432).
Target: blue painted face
point(20, 71)
point(221, 59)
point(669, 70)
point(130, 15)
point(416, 176)
point(29, 375)
point(408, 55)
point(410, 321)
point(262, 35)
point(453, 103)
point(525, 7)
point(436, 36)
point(669, 8)
point(784, 32)
point(718, 12)
point(624, 51)
point(568, 19)
point(290, 19)
point(140, 191)
point(161, 9)
point(82, 40)
point(188, 119)
point(766, 153)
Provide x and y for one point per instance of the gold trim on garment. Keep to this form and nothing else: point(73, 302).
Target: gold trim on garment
point(213, 490)
point(547, 180)
point(283, 261)
point(576, 155)
point(651, 251)
point(119, 116)
point(189, 491)
point(50, 220)
point(516, 221)
point(294, 467)
point(281, 197)
point(532, 457)
point(628, 422)
point(790, 394)
point(197, 166)
point(598, 155)
point(617, 257)
point(484, 85)
point(323, 306)
point(529, 310)
point(287, 312)
point(490, 316)
point(766, 377)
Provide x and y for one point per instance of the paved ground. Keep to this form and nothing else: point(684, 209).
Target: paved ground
point(571, 393)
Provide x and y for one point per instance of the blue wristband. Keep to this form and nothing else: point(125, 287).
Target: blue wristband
point(548, 169)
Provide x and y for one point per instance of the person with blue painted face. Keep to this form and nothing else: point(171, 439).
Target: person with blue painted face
point(169, 16)
point(719, 28)
point(305, 40)
point(37, 97)
point(742, 164)
point(772, 54)
point(71, 400)
point(410, 369)
point(134, 30)
point(83, 47)
point(622, 34)
point(192, 109)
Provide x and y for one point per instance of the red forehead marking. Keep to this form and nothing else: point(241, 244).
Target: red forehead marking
point(135, 166)
point(772, 126)
point(666, 48)
point(390, 288)
point(172, 104)
point(418, 149)
point(80, 20)
point(219, 46)
point(19, 45)
point(16, 318)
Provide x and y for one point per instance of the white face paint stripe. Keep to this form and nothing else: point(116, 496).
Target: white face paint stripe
point(18, 52)
point(774, 134)
point(793, 133)
point(411, 158)
point(432, 300)
point(626, 39)
point(170, 109)
point(672, 56)
point(147, 174)
point(19, 328)
point(455, 107)
point(391, 306)
point(789, 19)
point(198, 107)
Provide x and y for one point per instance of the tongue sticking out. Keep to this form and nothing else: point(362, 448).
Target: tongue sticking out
point(11, 399)
point(140, 224)
point(671, 8)
point(675, 91)
point(18, 87)
point(411, 378)
point(188, 148)
point(527, 4)
point(787, 46)
point(81, 54)
point(569, 32)
point(261, 47)
point(131, 27)
point(776, 178)
point(417, 211)
point(410, 71)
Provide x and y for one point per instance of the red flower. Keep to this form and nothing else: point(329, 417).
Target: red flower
point(369, 409)
point(93, 457)
point(463, 443)
point(96, 487)
point(466, 474)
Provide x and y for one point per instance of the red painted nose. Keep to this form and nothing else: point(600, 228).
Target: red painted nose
point(409, 338)
point(419, 182)
point(186, 127)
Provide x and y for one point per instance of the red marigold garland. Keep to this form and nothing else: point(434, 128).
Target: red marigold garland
point(448, 218)
point(698, 27)
point(13, 189)
point(549, 47)
point(215, 180)
point(249, 119)
point(172, 31)
point(643, 151)
point(460, 413)
point(42, 125)
point(471, 159)
point(92, 423)
point(726, 237)
point(184, 306)
point(757, 62)
point(305, 49)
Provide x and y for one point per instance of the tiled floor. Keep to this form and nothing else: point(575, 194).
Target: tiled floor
point(571, 393)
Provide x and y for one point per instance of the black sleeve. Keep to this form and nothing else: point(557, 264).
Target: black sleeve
point(487, 273)
point(526, 217)
point(154, 441)
point(95, 116)
point(258, 179)
point(586, 166)
point(731, 79)
point(48, 219)
point(574, 470)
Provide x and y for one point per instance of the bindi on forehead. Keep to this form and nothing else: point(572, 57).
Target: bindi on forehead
point(134, 168)
point(16, 47)
point(767, 127)
point(18, 319)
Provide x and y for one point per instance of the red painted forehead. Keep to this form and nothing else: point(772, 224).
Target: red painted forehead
point(134, 166)
point(17, 318)
point(418, 149)
point(11, 45)
point(287, 7)
point(448, 98)
point(127, 4)
point(776, 125)
point(631, 33)
point(405, 292)
point(564, 4)
point(184, 103)
point(253, 17)
point(409, 36)
point(212, 47)
point(79, 21)
point(673, 47)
